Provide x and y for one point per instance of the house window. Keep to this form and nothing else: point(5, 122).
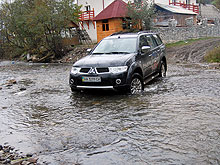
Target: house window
point(138, 1)
point(188, 2)
point(88, 8)
point(105, 25)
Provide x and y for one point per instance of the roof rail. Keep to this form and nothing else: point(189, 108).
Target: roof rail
point(121, 32)
point(140, 32)
point(126, 32)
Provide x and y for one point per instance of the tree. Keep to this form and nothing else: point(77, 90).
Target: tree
point(217, 3)
point(141, 14)
point(35, 26)
point(204, 1)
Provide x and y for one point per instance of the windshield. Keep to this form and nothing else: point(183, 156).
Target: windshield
point(116, 46)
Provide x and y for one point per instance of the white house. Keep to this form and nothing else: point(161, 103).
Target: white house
point(166, 2)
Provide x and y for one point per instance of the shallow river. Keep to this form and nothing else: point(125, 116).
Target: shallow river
point(176, 120)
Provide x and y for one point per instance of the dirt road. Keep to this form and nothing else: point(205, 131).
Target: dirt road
point(194, 52)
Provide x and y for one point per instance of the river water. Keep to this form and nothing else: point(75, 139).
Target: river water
point(176, 120)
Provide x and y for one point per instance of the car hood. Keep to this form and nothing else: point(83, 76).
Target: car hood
point(104, 60)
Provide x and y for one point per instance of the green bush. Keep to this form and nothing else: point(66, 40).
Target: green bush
point(213, 55)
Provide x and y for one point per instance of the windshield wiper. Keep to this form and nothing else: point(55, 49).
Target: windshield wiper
point(117, 53)
point(98, 53)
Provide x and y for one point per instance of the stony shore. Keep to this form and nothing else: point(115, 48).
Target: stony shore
point(10, 156)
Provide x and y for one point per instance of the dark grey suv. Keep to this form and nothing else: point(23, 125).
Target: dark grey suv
point(123, 61)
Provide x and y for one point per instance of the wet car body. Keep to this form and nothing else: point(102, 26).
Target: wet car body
point(107, 67)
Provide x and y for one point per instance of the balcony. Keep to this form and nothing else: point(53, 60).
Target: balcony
point(192, 7)
point(87, 16)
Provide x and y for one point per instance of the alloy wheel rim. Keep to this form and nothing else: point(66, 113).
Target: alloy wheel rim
point(136, 86)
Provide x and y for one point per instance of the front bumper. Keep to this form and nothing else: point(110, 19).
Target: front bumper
point(108, 81)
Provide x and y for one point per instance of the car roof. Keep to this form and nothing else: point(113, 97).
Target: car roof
point(127, 34)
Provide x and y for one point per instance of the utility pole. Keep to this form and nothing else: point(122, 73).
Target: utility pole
point(103, 3)
point(200, 8)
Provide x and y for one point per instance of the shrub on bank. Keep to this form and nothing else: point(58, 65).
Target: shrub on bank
point(213, 55)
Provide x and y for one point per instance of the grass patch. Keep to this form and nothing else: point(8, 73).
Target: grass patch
point(213, 55)
point(186, 42)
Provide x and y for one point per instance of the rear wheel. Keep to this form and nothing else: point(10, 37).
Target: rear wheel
point(163, 70)
point(136, 85)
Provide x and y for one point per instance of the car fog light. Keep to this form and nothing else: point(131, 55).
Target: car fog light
point(71, 81)
point(118, 81)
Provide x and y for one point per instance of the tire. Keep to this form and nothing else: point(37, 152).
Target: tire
point(136, 86)
point(74, 89)
point(163, 69)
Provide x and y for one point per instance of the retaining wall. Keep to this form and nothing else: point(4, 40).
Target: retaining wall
point(173, 34)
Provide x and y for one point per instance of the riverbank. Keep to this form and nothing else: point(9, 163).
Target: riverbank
point(9, 155)
point(189, 51)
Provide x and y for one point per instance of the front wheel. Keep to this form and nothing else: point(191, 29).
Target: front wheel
point(136, 85)
point(74, 89)
point(163, 70)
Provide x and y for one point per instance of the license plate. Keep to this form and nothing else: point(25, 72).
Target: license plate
point(91, 79)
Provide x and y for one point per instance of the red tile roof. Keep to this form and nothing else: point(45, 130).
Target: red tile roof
point(116, 9)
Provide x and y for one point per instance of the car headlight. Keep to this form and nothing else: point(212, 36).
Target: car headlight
point(118, 69)
point(75, 70)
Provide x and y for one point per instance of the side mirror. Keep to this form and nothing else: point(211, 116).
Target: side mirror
point(145, 49)
point(88, 50)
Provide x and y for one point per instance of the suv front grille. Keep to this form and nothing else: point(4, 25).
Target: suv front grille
point(99, 70)
point(84, 70)
point(102, 70)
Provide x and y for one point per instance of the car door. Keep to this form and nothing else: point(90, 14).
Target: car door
point(160, 51)
point(155, 52)
point(145, 56)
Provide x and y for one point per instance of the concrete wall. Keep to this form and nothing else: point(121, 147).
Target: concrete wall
point(173, 34)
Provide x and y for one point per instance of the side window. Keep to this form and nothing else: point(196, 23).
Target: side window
point(158, 40)
point(151, 42)
point(143, 41)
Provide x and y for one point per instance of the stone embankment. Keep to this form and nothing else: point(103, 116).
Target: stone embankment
point(10, 156)
point(174, 34)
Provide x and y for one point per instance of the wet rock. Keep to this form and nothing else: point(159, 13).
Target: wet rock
point(6, 149)
point(29, 155)
point(25, 163)
point(12, 81)
point(16, 162)
point(214, 66)
point(1, 147)
point(9, 85)
point(8, 155)
point(32, 160)
point(22, 89)
point(1, 155)
point(7, 161)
